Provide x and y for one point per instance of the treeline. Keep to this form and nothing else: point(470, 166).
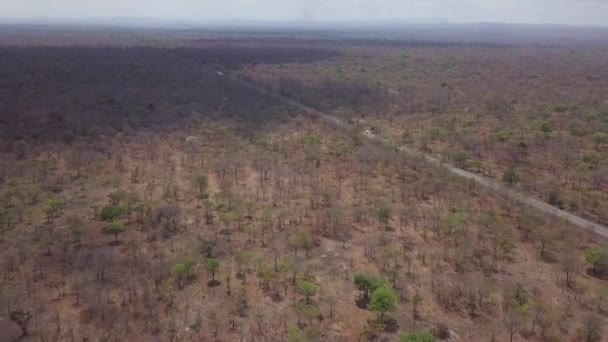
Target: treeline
point(231, 57)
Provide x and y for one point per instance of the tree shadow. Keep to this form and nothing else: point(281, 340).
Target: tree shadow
point(597, 274)
point(390, 324)
point(213, 283)
point(362, 302)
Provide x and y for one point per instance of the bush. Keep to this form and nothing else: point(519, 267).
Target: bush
point(52, 207)
point(503, 135)
point(460, 158)
point(592, 160)
point(308, 289)
point(598, 259)
point(383, 300)
point(367, 283)
point(111, 212)
point(510, 176)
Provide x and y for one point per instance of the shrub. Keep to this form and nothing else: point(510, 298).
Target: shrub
point(52, 208)
point(111, 212)
point(503, 135)
point(383, 300)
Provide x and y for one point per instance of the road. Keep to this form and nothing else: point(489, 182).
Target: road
point(595, 228)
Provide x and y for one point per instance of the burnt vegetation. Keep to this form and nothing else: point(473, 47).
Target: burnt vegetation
point(61, 93)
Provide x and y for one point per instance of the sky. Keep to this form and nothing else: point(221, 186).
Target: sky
point(573, 12)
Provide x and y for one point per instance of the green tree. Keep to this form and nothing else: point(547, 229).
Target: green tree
point(178, 271)
point(600, 139)
point(544, 127)
point(212, 266)
point(592, 160)
point(308, 289)
point(294, 334)
point(111, 212)
point(460, 158)
point(227, 218)
point(383, 300)
point(189, 264)
point(307, 311)
point(503, 135)
point(116, 228)
point(300, 240)
point(418, 337)
point(52, 208)
point(597, 258)
point(367, 283)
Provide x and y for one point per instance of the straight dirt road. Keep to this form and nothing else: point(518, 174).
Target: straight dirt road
point(592, 227)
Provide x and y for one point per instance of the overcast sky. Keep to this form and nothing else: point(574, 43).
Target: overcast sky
point(587, 12)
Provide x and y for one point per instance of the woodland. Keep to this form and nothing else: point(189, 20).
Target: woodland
point(160, 189)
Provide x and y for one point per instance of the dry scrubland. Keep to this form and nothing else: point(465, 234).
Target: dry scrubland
point(146, 198)
point(534, 117)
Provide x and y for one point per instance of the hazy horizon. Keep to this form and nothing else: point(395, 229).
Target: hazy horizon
point(562, 12)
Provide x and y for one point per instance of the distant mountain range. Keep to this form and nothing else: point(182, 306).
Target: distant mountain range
point(144, 22)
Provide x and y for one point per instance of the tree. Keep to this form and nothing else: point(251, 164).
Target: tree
point(384, 212)
point(460, 158)
point(383, 300)
point(212, 266)
point(418, 337)
point(308, 289)
point(330, 293)
point(510, 177)
point(569, 262)
point(52, 208)
point(189, 264)
point(600, 139)
point(76, 229)
point(545, 235)
point(202, 182)
point(266, 224)
point(597, 258)
point(111, 212)
point(416, 300)
point(178, 271)
point(515, 318)
point(503, 135)
point(115, 228)
point(367, 283)
point(227, 218)
point(592, 330)
point(300, 240)
point(307, 311)
point(544, 127)
point(209, 208)
point(592, 160)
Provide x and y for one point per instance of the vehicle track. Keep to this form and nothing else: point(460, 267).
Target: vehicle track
point(592, 227)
